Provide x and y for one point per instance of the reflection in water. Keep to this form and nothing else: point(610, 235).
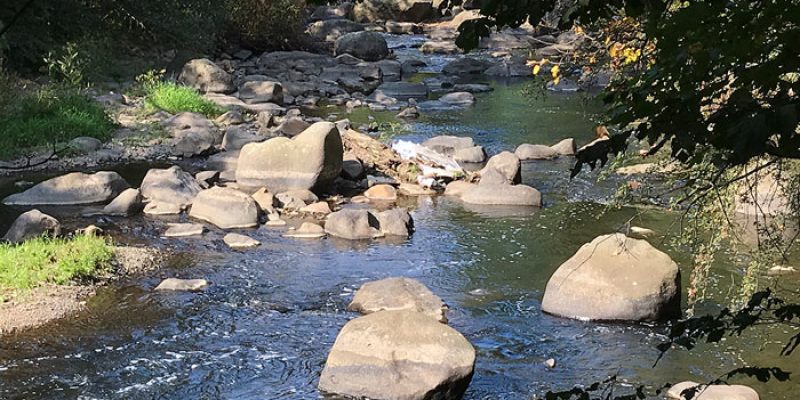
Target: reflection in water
point(264, 327)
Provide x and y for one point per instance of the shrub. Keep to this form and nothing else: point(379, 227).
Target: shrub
point(48, 260)
point(267, 24)
point(174, 98)
point(50, 115)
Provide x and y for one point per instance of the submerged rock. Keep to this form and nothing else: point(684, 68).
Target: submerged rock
point(237, 241)
point(185, 285)
point(75, 188)
point(398, 294)
point(311, 159)
point(398, 355)
point(226, 208)
point(615, 278)
point(31, 224)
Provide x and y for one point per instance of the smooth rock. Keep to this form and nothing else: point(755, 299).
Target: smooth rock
point(75, 188)
point(292, 127)
point(32, 224)
point(171, 185)
point(565, 147)
point(381, 192)
point(474, 155)
point(184, 230)
point(352, 224)
point(508, 164)
point(255, 92)
point(182, 285)
point(503, 194)
point(236, 137)
point(331, 29)
point(162, 208)
point(712, 392)
point(312, 159)
point(226, 208)
point(458, 188)
point(352, 168)
point(85, 144)
point(527, 152)
point(307, 230)
point(126, 204)
point(232, 117)
point(321, 207)
point(205, 76)
point(466, 66)
point(401, 90)
point(395, 222)
point(447, 145)
point(206, 179)
point(615, 278)
point(398, 355)
point(237, 241)
point(393, 294)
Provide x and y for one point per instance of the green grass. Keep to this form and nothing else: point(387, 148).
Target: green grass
point(49, 115)
point(174, 98)
point(48, 260)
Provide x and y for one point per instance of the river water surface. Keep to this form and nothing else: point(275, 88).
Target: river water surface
point(264, 327)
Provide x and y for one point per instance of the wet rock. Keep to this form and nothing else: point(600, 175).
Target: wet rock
point(72, 189)
point(232, 117)
point(393, 294)
point(320, 207)
point(237, 241)
point(466, 66)
point(236, 137)
point(205, 76)
point(307, 230)
point(502, 194)
point(226, 208)
point(398, 355)
point(331, 29)
point(192, 134)
point(565, 147)
point(85, 144)
point(460, 99)
point(615, 278)
point(255, 92)
point(126, 204)
point(162, 208)
point(458, 188)
point(401, 90)
point(182, 285)
point(527, 152)
point(171, 185)
point(352, 224)
point(507, 164)
point(474, 154)
point(368, 46)
point(395, 222)
point(711, 392)
point(31, 224)
point(184, 230)
point(381, 192)
point(312, 159)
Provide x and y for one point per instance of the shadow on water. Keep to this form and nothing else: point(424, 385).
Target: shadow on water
point(264, 327)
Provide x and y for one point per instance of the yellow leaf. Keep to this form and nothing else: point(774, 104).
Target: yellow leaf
point(556, 80)
point(536, 69)
point(554, 71)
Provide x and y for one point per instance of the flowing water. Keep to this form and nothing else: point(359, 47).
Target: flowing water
point(264, 327)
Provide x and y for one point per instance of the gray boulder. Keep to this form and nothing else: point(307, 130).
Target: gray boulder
point(352, 224)
point(368, 46)
point(127, 203)
point(254, 92)
point(398, 355)
point(401, 91)
point(615, 277)
point(466, 66)
point(32, 224)
point(236, 137)
point(502, 194)
point(474, 154)
point(226, 208)
point(72, 189)
point(507, 164)
point(395, 222)
point(205, 76)
point(192, 134)
point(398, 294)
point(171, 185)
point(527, 152)
point(312, 159)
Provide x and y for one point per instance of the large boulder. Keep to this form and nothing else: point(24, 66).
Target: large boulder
point(398, 355)
point(395, 222)
point(254, 92)
point(72, 189)
point(368, 46)
point(507, 164)
point(172, 186)
point(312, 159)
point(710, 392)
point(331, 29)
point(398, 294)
point(502, 194)
point(226, 208)
point(399, 10)
point(192, 134)
point(205, 76)
point(615, 277)
point(527, 152)
point(30, 225)
point(352, 224)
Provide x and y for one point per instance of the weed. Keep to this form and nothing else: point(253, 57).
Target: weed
point(174, 98)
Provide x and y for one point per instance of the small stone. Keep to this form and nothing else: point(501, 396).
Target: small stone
point(643, 232)
point(307, 230)
point(550, 363)
point(237, 241)
point(276, 223)
point(184, 230)
point(184, 285)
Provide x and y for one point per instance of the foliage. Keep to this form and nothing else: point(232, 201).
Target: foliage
point(275, 24)
point(49, 260)
point(174, 98)
point(66, 67)
point(50, 115)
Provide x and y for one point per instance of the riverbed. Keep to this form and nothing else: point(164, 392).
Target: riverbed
point(264, 327)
